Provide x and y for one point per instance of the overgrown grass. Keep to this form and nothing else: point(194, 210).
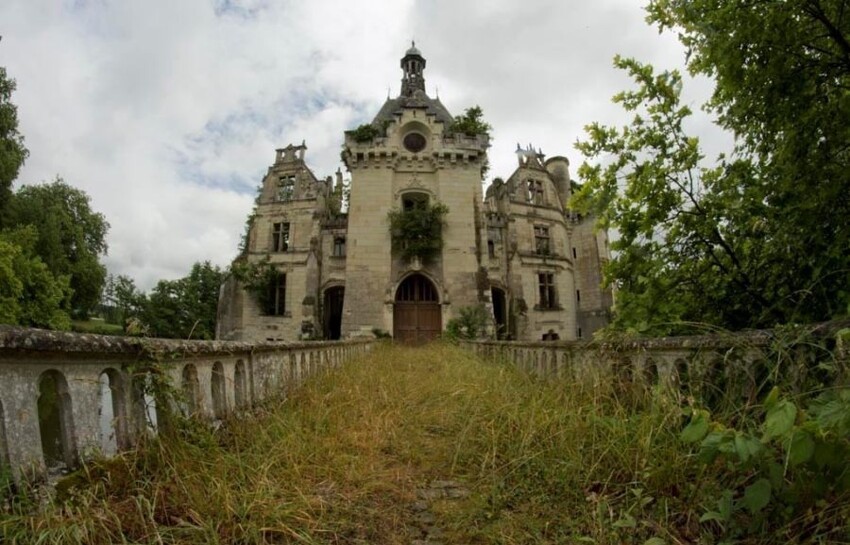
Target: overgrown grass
point(341, 459)
point(96, 326)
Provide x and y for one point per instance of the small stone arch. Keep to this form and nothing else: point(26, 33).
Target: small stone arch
point(144, 405)
point(650, 372)
point(112, 410)
point(218, 391)
point(714, 383)
point(683, 378)
point(191, 390)
point(56, 421)
point(240, 387)
point(622, 369)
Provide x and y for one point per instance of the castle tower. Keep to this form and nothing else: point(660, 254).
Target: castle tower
point(412, 64)
point(414, 160)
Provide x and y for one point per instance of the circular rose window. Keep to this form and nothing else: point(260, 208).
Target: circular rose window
point(414, 142)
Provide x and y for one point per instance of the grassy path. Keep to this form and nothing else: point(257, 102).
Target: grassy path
point(403, 445)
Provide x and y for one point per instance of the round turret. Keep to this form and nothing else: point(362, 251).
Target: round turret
point(559, 168)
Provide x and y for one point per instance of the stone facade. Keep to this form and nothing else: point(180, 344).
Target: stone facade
point(520, 252)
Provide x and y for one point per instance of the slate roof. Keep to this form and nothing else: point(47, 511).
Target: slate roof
point(419, 99)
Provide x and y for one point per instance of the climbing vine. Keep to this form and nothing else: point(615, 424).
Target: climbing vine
point(256, 277)
point(418, 232)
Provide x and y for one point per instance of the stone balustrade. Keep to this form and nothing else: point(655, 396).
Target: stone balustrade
point(740, 363)
point(68, 396)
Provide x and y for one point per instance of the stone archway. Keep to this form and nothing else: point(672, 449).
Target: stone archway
point(332, 312)
point(417, 317)
point(500, 312)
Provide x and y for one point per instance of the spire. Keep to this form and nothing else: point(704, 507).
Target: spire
point(412, 64)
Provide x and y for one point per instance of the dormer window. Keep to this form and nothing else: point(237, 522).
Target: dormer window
point(535, 192)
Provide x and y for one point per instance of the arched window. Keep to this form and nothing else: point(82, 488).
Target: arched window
point(55, 421)
point(217, 389)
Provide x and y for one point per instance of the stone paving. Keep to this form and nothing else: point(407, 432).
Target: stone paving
point(425, 529)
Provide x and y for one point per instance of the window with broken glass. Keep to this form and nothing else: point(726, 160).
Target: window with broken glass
point(280, 237)
point(546, 286)
point(285, 188)
point(276, 299)
point(535, 192)
point(493, 238)
point(339, 247)
point(542, 244)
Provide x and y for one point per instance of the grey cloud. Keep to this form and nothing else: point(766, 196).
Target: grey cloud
point(167, 113)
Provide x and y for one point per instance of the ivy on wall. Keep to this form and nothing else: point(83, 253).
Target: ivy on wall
point(418, 231)
point(256, 278)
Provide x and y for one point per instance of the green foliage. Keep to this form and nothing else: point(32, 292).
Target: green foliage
point(97, 327)
point(471, 323)
point(471, 123)
point(776, 474)
point(418, 232)
point(544, 461)
point(257, 277)
point(365, 133)
point(184, 308)
point(71, 237)
point(122, 300)
point(12, 150)
point(759, 238)
point(782, 72)
point(30, 294)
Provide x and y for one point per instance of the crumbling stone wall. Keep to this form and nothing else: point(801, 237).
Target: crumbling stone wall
point(735, 360)
point(67, 396)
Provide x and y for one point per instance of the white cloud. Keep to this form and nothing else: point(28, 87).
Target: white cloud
point(168, 113)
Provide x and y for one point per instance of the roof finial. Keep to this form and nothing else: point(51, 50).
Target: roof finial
point(412, 43)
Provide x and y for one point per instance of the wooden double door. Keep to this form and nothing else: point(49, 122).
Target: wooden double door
point(417, 317)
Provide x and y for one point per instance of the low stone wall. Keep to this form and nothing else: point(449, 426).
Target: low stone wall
point(67, 396)
point(736, 362)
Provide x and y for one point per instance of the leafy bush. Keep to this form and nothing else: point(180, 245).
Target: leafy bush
point(470, 324)
point(256, 278)
point(471, 123)
point(365, 133)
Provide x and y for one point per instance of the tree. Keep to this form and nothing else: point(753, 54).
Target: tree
point(471, 123)
point(30, 295)
point(760, 236)
point(782, 72)
point(12, 150)
point(677, 256)
point(184, 308)
point(122, 300)
point(71, 237)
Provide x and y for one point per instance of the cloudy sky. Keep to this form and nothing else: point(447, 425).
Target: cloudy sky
point(167, 113)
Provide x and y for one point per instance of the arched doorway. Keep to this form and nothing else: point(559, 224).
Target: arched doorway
point(500, 313)
point(332, 311)
point(416, 313)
